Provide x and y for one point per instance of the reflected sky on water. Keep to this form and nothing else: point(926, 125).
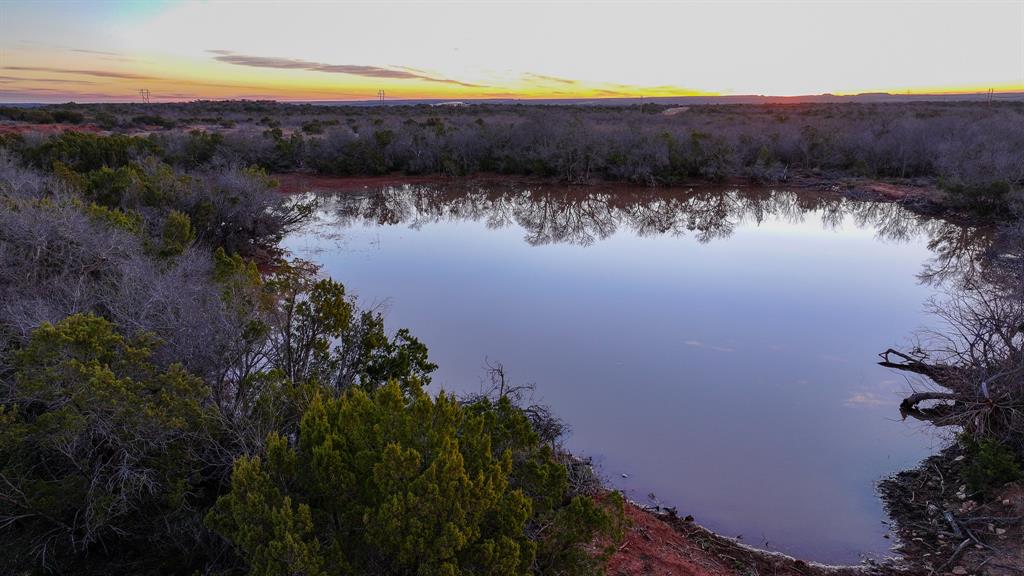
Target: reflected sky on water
point(715, 349)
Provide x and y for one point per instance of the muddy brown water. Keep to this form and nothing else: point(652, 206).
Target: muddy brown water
point(711, 350)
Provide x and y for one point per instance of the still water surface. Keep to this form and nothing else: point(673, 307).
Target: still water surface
point(713, 351)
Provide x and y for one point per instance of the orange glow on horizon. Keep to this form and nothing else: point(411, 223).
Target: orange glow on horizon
point(296, 51)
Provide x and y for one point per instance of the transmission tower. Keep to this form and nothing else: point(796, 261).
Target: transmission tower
point(144, 94)
point(380, 97)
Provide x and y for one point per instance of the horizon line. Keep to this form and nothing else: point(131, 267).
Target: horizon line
point(992, 93)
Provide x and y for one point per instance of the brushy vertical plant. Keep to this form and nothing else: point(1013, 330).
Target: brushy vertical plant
point(177, 234)
point(99, 450)
point(397, 482)
point(990, 464)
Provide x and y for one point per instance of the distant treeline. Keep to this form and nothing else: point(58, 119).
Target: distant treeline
point(42, 116)
point(966, 147)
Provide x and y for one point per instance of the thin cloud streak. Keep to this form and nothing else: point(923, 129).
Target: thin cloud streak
point(131, 76)
point(53, 80)
point(230, 57)
point(95, 52)
point(54, 95)
point(543, 78)
point(700, 344)
point(98, 73)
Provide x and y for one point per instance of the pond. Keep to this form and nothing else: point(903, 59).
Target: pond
point(711, 350)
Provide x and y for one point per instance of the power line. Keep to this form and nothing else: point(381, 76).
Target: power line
point(144, 94)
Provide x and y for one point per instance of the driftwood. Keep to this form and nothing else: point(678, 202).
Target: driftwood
point(945, 375)
point(949, 377)
point(943, 414)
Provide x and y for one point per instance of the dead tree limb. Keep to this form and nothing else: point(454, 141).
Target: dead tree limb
point(942, 374)
point(942, 414)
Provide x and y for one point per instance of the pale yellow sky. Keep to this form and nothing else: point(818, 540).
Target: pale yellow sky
point(55, 51)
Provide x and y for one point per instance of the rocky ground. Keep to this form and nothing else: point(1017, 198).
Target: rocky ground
point(943, 529)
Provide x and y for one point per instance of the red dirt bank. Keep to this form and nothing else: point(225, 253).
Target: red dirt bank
point(659, 544)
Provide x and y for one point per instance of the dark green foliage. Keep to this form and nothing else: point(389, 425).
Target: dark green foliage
point(154, 120)
point(403, 358)
point(99, 451)
point(105, 120)
point(564, 548)
point(567, 523)
point(287, 151)
point(130, 221)
point(379, 485)
point(400, 483)
point(990, 464)
point(33, 115)
point(74, 180)
point(84, 152)
point(312, 318)
point(200, 148)
point(322, 338)
point(235, 208)
point(14, 142)
point(68, 116)
point(177, 234)
point(313, 127)
point(231, 268)
point(991, 199)
point(112, 187)
point(40, 116)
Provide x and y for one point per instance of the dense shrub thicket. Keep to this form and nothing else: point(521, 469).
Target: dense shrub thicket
point(168, 408)
point(970, 148)
point(51, 115)
point(393, 483)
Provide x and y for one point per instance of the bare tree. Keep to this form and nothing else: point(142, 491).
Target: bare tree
point(977, 354)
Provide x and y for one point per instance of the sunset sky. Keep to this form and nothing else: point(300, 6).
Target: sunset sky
point(101, 51)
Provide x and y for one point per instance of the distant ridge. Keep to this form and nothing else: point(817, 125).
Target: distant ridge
point(864, 98)
point(867, 97)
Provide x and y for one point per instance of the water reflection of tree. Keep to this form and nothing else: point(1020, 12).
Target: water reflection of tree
point(567, 215)
point(976, 356)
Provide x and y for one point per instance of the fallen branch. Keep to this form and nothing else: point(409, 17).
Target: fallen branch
point(940, 415)
point(956, 554)
point(944, 375)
